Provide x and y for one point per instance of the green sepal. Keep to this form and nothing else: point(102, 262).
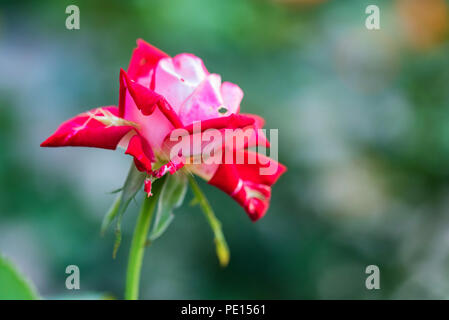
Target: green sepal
point(111, 214)
point(133, 184)
point(221, 247)
point(172, 196)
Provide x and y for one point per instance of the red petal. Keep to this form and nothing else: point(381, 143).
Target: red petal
point(245, 183)
point(233, 121)
point(259, 122)
point(147, 187)
point(142, 153)
point(144, 59)
point(172, 166)
point(188, 138)
point(98, 128)
point(257, 138)
point(145, 99)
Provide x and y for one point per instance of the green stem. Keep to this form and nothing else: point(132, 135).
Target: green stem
point(138, 244)
point(220, 241)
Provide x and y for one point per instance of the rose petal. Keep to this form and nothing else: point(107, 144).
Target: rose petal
point(192, 139)
point(232, 96)
point(245, 183)
point(98, 128)
point(145, 99)
point(147, 187)
point(144, 59)
point(176, 78)
point(155, 126)
point(142, 153)
point(204, 102)
point(258, 137)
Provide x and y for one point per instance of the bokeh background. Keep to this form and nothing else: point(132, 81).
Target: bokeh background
point(363, 119)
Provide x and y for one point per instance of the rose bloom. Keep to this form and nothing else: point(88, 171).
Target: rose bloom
point(159, 94)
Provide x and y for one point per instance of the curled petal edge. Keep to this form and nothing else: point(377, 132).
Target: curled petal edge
point(97, 128)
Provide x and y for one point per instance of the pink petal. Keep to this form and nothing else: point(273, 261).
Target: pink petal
point(204, 102)
point(176, 78)
point(232, 96)
point(211, 99)
point(145, 99)
point(149, 110)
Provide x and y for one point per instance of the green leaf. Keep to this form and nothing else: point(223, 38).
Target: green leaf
point(221, 247)
point(172, 196)
point(14, 286)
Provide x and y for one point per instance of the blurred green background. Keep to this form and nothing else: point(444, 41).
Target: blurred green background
point(363, 129)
